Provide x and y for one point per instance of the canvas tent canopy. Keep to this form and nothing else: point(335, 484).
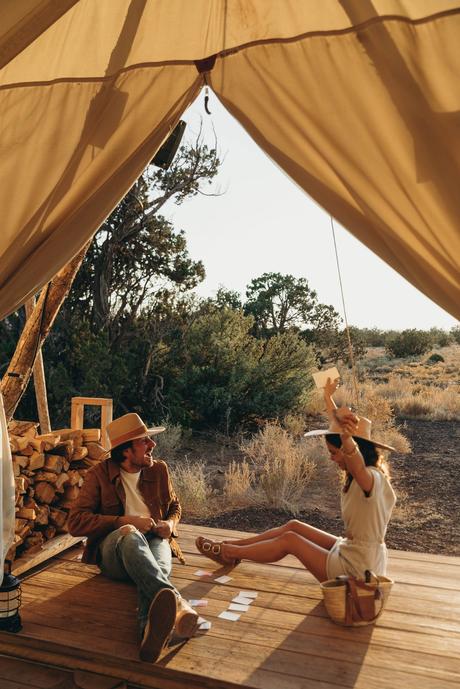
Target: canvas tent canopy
point(357, 100)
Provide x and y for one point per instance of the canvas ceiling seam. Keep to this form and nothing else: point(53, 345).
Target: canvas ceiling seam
point(238, 48)
point(98, 79)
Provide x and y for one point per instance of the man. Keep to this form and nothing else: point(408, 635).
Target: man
point(128, 510)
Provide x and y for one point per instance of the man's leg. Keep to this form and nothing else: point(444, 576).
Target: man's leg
point(187, 619)
point(127, 556)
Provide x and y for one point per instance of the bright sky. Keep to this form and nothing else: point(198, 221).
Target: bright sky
point(265, 223)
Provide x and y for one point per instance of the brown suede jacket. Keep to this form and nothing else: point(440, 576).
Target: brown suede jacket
point(102, 500)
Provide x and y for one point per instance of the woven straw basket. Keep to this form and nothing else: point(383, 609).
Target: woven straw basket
point(340, 599)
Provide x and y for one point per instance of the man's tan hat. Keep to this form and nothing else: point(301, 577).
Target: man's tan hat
point(363, 431)
point(129, 427)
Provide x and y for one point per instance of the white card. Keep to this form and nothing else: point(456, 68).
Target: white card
point(242, 600)
point(249, 594)
point(204, 626)
point(232, 616)
point(321, 377)
point(201, 620)
point(198, 602)
point(238, 607)
point(202, 573)
point(223, 579)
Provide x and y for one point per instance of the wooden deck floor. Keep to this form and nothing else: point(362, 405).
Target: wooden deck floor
point(75, 619)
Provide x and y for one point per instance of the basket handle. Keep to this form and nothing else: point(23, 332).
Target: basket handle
point(353, 600)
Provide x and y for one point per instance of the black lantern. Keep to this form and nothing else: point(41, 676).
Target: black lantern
point(10, 602)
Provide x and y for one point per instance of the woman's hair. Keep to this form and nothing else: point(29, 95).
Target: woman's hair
point(372, 455)
point(117, 453)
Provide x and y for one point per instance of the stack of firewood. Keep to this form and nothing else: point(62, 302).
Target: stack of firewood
point(49, 471)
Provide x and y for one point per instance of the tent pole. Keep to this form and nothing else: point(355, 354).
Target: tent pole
point(39, 380)
point(36, 329)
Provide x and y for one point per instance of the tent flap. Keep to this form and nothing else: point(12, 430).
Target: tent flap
point(357, 102)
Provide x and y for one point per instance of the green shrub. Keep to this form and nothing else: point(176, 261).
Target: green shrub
point(409, 343)
point(434, 358)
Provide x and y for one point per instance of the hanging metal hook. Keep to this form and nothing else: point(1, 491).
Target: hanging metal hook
point(206, 100)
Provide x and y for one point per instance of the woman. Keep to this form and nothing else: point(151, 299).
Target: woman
point(367, 502)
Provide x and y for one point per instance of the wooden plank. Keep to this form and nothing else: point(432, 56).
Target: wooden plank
point(284, 640)
point(49, 550)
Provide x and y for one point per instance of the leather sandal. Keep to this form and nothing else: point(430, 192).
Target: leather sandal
point(213, 550)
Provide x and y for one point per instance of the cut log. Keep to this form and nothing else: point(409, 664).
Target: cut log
point(61, 481)
point(49, 439)
point(21, 484)
point(26, 513)
point(64, 448)
point(22, 461)
point(23, 428)
point(58, 518)
point(79, 453)
point(67, 433)
point(30, 502)
point(48, 476)
point(19, 524)
point(25, 530)
point(36, 461)
point(96, 451)
point(34, 542)
point(44, 492)
point(43, 513)
point(50, 532)
point(91, 435)
point(18, 443)
point(54, 463)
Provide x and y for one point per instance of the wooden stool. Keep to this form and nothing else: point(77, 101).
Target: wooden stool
point(77, 413)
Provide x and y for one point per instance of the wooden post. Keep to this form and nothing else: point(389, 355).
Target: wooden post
point(77, 413)
point(39, 380)
point(35, 331)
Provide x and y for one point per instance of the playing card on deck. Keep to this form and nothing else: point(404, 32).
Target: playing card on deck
point(198, 602)
point(204, 626)
point(202, 573)
point(232, 616)
point(238, 607)
point(242, 600)
point(223, 579)
point(249, 594)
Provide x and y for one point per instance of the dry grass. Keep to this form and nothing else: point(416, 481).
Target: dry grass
point(239, 484)
point(191, 482)
point(282, 467)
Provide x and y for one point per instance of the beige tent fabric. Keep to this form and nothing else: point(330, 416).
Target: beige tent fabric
point(358, 102)
point(22, 21)
point(370, 128)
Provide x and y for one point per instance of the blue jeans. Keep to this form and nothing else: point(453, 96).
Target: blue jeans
point(144, 559)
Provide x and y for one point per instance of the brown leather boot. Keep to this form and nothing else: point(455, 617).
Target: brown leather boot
point(186, 619)
point(160, 623)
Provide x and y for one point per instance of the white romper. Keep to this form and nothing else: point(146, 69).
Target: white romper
point(366, 520)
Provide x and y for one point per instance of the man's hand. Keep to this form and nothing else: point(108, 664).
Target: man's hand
point(142, 524)
point(164, 529)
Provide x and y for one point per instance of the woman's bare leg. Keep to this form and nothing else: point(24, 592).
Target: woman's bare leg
point(321, 538)
point(311, 555)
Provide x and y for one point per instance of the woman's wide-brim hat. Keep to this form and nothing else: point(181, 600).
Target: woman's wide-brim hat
point(129, 427)
point(363, 431)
